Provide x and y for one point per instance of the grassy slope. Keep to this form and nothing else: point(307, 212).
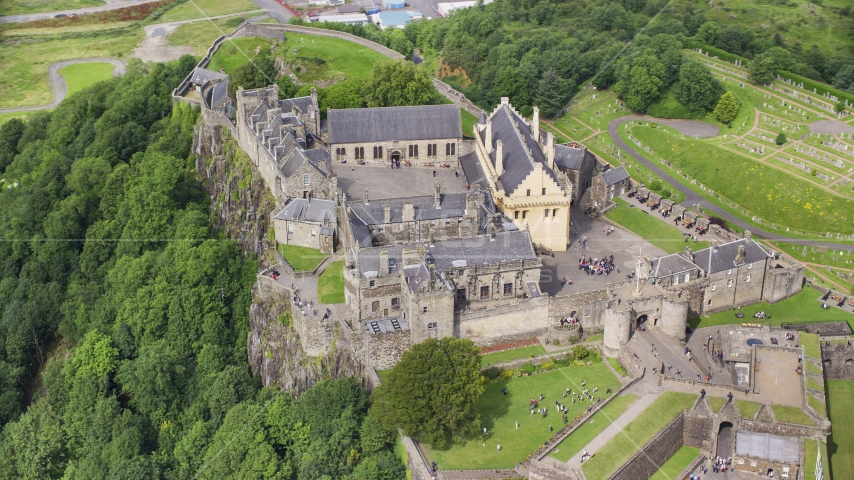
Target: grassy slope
point(716, 403)
point(678, 462)
point(357, 63)
point(498, 413)
point(747, 409)
point(506, 355)
point(5, 117)
point(787, 414)
point(810, 343)
point(840, 446)
point(330, 284)
point(200, 35)
point(206, 8)
point(83, 75)
point(769, 193)
point(653, 230)
point(636, 434)
point(303, 259)
point(18, 7)
point(823, 256)
point(468, 121)
point(237, 52)
point(801, 308)
point(593, 427)
point(616, 366)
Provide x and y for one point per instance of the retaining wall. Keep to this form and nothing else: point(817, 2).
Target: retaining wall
point(645, 463)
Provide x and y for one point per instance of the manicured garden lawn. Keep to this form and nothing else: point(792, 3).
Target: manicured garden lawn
point(774, 196)
point(812, 368)
point(84, 75)
point(593, 427)
point(840, 446)
point(678, 462)
point(303, 259)
point(640, 431)
point(206, 8)
point(468, 121)
point(810, 343)
point(800, 308)
point(18, 7)
point(499, 413)
point(787, 414)
point(716, 403)
point(619, 368)
point(320, 58)
point(652, 229)
point(235, 53)
point(747, 409)
point(330, 284)
point(507, 355)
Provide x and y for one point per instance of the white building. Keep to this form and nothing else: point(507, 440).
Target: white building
point(446, 8)
point(348, 18)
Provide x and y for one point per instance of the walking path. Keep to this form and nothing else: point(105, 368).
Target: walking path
point(60, 88)
point(614, 429)
point(110, 5)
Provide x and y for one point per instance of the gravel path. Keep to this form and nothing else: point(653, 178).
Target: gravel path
point(830, 126)
point(692, 198)
point(692, 128)
point(60, 89)
point(111, 5)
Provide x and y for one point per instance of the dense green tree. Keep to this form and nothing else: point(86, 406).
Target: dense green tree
point(431, 392)
point(761, 71)
point(287, 87)
point(780, 58)
point(10, 134)
point(640, 82)
point(840, 107)
point(734, 39)
point(550, 94)
point(727, 108)
point(845, 77)
point(708, 33)
point(781, 139)
point(346, 94)
point(259, 71)
point(395, 83)
point(697, 88)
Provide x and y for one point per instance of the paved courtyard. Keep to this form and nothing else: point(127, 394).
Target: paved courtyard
point(776, 379)
point(384, 182)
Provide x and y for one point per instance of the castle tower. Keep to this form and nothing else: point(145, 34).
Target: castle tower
point(618, 329)
point(674, 318)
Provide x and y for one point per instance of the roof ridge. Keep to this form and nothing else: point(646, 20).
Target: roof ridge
point(519, 136)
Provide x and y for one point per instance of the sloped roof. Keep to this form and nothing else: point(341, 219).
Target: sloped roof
point(349, 8)
point(615, 175)
point(220, 93)
point(365, 125)
point(312, 210)
point(203, 76)
point(568, 157)
point(452, 205)
point(714, 260)
point(303, 103)
point(473, 170)
point(671, 264)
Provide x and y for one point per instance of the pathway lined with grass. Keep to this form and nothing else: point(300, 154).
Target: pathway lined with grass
point(590, 429)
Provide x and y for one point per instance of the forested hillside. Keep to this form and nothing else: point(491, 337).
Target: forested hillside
point(125, 315)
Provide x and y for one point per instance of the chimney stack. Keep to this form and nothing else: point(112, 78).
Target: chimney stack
point(499, 158)
point(550, 149)
point(505, 100)
point(383, 263)
point(689, 254)
point(487, 142)
point(437, 196)
point(535, 124)
point(747, 234)
point(386, 214)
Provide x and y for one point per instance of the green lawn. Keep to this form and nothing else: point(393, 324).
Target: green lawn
point(817, 405)
point(400, 451)
point(236, 52)
point(18, 7)
point(319, 58)
point(774, 196)
point(507, 355)
point(498, 413)
point(811, 455)
point(330, 284)
point(595, 338)
point(636, 434)
point(747, 409)
point(619, 368)
point(811, 347)
point(302, 259)
point(716, 403)
point(651, 228)
point(813, 385)
point(677, 463)
point(206, 8)
point(468, 121)
point(84, 75)
point(801, 308)
point(593, 427)
point(787, 414)
point(5, 117)
point(200, 35)
point(812, 368)
point(840, 446)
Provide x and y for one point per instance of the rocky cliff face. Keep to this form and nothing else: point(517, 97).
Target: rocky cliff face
point(241, 206)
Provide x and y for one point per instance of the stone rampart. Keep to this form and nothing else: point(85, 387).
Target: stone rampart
point(645, 463)
point(633, 366)
point(385, 349)
point(588, 307)
point(838, 362)
point(698, 430)
point(417, 464)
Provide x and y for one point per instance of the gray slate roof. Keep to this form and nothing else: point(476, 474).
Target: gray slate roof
point(303, 103)
point(203, 76)
point(312, 210)
point(722, 258)
point(220, 93)
point(473, 170)
point(516, 142)
point(568, 157)
point(615, 175)
point(453, 205)
point(366, 125)
point(670, 265)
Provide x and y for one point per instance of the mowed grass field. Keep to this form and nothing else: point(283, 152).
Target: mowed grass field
point(652, 229)
point(776, 197)
point(593, 427)
point(320, 58)
point(330, 284)
point(636, 434)
point(499, 414)
point(302, 259)
point(678, 462)
point(840, 444)
point(84, 75)
point(801, 308)
point(237, 52)
point(206, 8)
point(18, 7)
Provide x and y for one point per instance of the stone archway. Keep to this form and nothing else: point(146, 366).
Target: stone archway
point(395, 159)
point(725, 440)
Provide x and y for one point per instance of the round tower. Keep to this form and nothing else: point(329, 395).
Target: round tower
point(674, 318)
point(618, 328)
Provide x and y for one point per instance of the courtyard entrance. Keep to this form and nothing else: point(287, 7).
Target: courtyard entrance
point(395, 160)
point(724, 440)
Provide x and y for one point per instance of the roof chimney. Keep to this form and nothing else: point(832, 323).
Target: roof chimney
point(386, 214)
point(487, 141)
point(505, 100)
point(739, 258)
point(366, 196)
point(535, 127)
point(550, 149)
point(383, 263)
point(747, 234)
point(499, 158)
point(689, 254)
point(437, 196)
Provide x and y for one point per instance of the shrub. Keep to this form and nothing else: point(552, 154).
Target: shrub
point(528, 368)
point(506, 373)
point(666, 193)
point(562, 362)
point(547, 365)
point(580, 352)
point(781, 139)
point(655, 185)
point(517, 372)
point(491, 373)
point(555, 341)
point(814, 172)
point(578, 363)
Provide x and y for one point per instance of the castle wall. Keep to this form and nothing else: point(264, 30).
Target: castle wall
point(316, 335)
point(385, 349)
point(838, 362)
point(302, 234)
point(618, 325)
point(647, 461)
point(674, 318)
point(401, 148)
point(588, 306)
point(516, 320)
point(698, 430)
point(430, 315)
point(732, 288)
point(694, 293)
point(423, 231)
point(781, 283)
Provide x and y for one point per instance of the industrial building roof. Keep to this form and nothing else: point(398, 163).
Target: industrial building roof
point(366, 125)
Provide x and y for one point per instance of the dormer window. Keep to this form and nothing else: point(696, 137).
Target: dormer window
point(749, 266)
point(729, 272)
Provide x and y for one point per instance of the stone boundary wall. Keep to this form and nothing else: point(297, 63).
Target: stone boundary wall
point(838, 362)
point(645, 463)
point(216, 119)
point(632, 365)
point(686, 474)
point(417, 463)
point(564, 335)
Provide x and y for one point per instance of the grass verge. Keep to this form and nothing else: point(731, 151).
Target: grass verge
point(678, 462)
point(206, 8)
point(592, 428)
point(810, 343)
point(840, 444)
point(619, 368)
point(747, 409)
point(302, 259)
point(330, 284)
point(716, 403)
point(516, 353)
point(787, 414)
point(468, 121)
point(651, 229)
point(84, 75)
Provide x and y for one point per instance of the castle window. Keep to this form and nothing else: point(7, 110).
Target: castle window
point(688, 277)
point(429, 149)
point(747, 279)
point(749, 266)
point(424, 310)
point(728, 283)
point(378, 152)
point(484, 292)
point(375, 305)
point(524, 213)
point(395, 302)
point(547, 212)
point(450, 149)
point(508, 289)
point(372, 283)
point(675, 279)
point(306, 179)
point(710, 302)
point(544, 191)
point(447, 223)
point(360, 153)
point(729, 272)
point(431, 325)
point(413, 150)
point(447, 149)
point(461, 273)
point(554, 212)
point(341, 151)
point(529, 192)
point(516, 214)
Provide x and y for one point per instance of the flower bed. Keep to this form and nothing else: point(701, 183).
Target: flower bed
point(509, 346)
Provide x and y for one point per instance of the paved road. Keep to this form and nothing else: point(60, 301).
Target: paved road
point(60, 89)
point(111, 5)
point(692, 197)
point(830, 126)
